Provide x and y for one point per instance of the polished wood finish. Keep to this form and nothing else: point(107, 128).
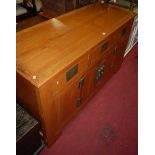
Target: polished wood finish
point(47, 51)
point(27, 95)
point(42, 42)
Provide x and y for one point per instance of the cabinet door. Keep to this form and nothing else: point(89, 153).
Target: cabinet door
point(95, 78)
point(121, 37)
point(118, 55)
point(116, 59)
point(100, 73)
point(70, 102)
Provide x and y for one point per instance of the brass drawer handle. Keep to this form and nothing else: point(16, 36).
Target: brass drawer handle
point(104, 47)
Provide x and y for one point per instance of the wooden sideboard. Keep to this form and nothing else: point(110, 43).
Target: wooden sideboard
point(63, 62)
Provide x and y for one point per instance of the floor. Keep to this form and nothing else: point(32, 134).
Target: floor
point(108, 125)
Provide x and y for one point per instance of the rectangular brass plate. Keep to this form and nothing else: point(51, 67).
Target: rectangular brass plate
point(72, 72)
point(104, 47)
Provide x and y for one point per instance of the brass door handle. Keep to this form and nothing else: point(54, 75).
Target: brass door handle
point(99, 72)
point(81, 83)
point(115, 51)
point(104, 47)
point(78, 102)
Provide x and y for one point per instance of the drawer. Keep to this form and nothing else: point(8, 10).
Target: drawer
point(101, 50)
point(67, 75)
point(122, 34)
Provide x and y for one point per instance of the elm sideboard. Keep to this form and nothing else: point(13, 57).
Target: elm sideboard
point(63, 62)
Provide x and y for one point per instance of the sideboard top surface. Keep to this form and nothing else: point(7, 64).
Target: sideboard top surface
point(47, 48)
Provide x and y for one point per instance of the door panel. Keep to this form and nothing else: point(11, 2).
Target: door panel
point(69, 100)
point(95, 78)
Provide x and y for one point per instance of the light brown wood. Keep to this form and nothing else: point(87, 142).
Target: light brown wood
point(59, 41)
point(47, 51)
point(26, 95)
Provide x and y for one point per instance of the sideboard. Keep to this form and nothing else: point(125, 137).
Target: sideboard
point(63, 62)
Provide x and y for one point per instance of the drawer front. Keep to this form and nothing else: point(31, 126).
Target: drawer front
point(122, 34)
point(101, 50)
point(68, 75)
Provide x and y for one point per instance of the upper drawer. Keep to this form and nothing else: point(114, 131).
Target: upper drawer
point(66, 76)
point(101, 50)
point(121, 35)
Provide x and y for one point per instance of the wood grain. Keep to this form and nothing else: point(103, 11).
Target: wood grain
point(47, 51)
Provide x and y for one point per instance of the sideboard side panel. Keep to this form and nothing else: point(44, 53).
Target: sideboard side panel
point(26, 96)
